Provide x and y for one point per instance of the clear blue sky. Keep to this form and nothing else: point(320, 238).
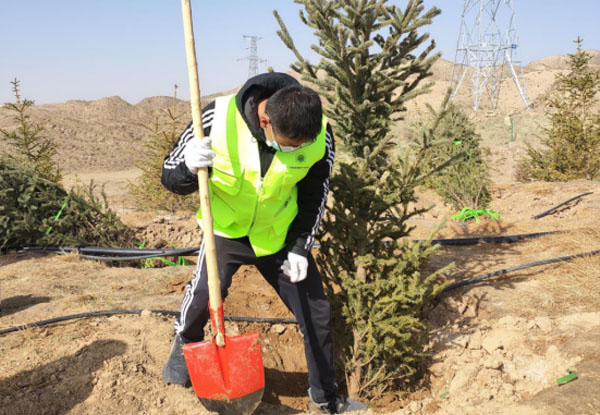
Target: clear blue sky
point(88, 49)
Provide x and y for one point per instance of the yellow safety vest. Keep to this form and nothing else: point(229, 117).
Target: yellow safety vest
point(243, 203)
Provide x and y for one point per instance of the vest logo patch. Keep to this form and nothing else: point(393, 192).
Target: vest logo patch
point(300, 158)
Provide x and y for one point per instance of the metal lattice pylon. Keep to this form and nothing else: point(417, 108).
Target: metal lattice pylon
point(253, 59)
point(487, 43)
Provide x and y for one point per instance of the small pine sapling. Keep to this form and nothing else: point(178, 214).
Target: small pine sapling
point(27, 138)
point(571, 145)
point(148, 190)
point(465, 182)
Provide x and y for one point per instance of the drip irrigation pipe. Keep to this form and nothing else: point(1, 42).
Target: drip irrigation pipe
point(291, 321)
point(517, 268)
point(126, 258)
point(549, 211)
point(99, 254)
point(132, 254)
point(136, 254)
point(108, 251)
point(44, 249)
point(135, 251)
point(493, 239)
point(105, 313)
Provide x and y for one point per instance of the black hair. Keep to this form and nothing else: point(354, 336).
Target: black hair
point(295, 112)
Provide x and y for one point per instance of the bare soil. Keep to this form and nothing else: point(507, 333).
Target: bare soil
point(496, 347)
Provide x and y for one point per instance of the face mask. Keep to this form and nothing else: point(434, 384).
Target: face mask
point(275, 145)
point(283, 149)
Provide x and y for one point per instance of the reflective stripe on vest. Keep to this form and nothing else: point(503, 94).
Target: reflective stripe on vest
point(243, 203)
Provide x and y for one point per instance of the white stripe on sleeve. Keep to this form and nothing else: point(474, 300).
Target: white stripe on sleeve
point(176, 155)
point(330, 156)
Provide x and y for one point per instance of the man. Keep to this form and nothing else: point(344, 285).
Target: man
point(270, 153)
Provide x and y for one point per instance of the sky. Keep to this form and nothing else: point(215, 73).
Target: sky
point(89, 49)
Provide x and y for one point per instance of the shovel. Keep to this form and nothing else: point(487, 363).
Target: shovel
point(226, 372)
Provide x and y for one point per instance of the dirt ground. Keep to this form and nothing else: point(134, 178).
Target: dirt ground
point(496, 347)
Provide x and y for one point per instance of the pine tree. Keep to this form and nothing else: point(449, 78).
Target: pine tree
point(465, 182)
point(38, 211)
point(572, 142)
point(27, 138)
point(373, 60)
point(148, 190)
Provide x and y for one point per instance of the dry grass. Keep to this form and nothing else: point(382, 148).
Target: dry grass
point(567, 243)
point(541, 189)
point(86, 299)
point(573, 286)
point(71, 257)
point(569, 287)
point(577, 288)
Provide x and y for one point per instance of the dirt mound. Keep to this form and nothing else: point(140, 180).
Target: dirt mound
point(168, 231)
point(108, 108)
point(442, 70)
point(155, 104)
point(560, 62)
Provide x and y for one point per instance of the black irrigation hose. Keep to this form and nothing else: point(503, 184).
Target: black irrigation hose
point(44, 249)
point(451, 241)
point(119, 254)
point(88, 253)
point(99, 254)
point(126, 258)
point(292, 321)
point(486, 239)
point(91, 250)
point(105, 313)
point(517, 268)
point(549, 211)
point(108, 251)
point(493, 239)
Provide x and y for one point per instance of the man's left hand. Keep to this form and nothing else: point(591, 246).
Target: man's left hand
point(295, 267)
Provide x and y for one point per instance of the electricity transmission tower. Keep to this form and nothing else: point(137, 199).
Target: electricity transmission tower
point(253, 59)
point(487, 44)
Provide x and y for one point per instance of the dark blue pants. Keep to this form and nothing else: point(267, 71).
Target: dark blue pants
point(305, 299)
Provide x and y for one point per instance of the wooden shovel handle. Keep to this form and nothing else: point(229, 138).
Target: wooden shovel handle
point(214, 284)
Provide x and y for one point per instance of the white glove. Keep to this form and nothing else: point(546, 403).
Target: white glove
point(295, 267)
point(198, 154)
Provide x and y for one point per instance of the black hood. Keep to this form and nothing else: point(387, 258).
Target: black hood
point(254, 90)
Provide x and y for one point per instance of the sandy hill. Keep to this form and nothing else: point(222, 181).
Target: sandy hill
point(157, 103)
point(559, 62)
point(109, 133)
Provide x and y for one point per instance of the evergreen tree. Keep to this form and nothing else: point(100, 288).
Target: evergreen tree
point(38, 211)
point(27, 138)
point(148, 190)
point(465, 182)
point(373, 60)
point(572, 142)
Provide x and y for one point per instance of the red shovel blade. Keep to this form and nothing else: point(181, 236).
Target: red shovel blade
point(228, 379)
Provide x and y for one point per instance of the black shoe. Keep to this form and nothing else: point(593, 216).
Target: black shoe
point(339, 405)
point(175, 370)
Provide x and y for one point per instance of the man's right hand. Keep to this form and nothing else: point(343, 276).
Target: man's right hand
point(198, 154)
